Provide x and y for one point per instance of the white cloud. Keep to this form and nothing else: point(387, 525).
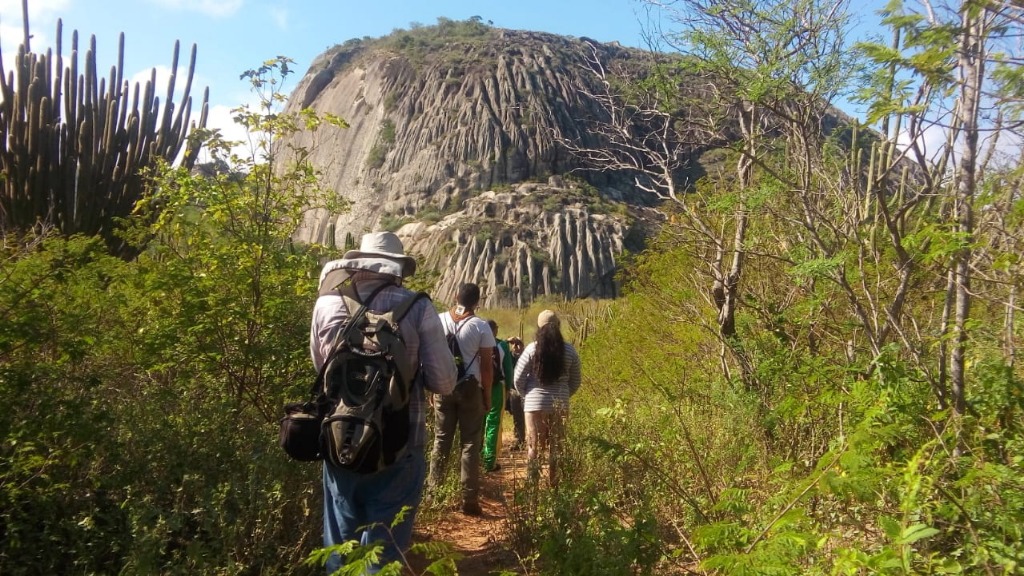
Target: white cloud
point(44, 10)
point(42, 19)
point(10, 38)
point(10, 34)
point(221, 118)
point(215, 8)
point(280, 17)
point(932, 141)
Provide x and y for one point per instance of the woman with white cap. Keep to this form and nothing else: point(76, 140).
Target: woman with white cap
point(547, 374)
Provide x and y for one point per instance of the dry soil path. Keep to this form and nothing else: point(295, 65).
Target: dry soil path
point(482, 541)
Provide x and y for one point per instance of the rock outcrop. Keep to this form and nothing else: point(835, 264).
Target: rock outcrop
point(519, 247)
point(454, 140)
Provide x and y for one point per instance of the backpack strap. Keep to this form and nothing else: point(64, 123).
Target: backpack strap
point(407, 373)
point(402, 309)
point(316, 390)
point(475, 356)
point(458, 327)
point(398, 312)
point(348, 294)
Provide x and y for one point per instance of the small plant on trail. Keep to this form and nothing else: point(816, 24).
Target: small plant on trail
point(360, 558)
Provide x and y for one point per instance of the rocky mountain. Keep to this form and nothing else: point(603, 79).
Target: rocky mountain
point(455, 141)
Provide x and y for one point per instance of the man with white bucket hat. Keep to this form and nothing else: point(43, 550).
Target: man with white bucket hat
point(363, 506)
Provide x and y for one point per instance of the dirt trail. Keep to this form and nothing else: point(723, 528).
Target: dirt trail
point(481, 540)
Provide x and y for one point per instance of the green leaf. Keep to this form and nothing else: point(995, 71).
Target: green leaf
point(816, 267)
point(916, 532)
point(890, 526)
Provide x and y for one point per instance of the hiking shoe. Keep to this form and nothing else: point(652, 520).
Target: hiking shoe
point(472, 509)
point(494, 468)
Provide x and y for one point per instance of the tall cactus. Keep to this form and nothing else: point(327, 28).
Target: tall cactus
point(72, 147)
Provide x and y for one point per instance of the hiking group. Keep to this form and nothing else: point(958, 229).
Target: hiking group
point(386, 357)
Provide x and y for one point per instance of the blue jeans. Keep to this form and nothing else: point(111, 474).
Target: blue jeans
point(363, 506)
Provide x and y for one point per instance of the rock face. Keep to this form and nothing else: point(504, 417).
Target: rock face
point(454, 141)
point(520, 247)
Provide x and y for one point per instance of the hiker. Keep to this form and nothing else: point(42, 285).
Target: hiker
point(362, 506)
point(504, 368)
point(466, 406)
point(547, 374)
point(514, 404)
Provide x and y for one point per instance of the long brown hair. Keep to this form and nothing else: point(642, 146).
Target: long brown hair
point(550, 354)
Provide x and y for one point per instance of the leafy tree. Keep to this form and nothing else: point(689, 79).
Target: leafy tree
point(948, 68)
point(752, 74)
point(227, 239)
point(875, 266)
point(144, 394)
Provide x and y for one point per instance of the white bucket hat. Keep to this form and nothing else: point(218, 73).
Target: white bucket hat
point(380, 252)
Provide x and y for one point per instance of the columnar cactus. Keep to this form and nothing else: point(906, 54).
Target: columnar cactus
point(73, 148)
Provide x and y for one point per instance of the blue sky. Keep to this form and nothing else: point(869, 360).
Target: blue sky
point(236, 35)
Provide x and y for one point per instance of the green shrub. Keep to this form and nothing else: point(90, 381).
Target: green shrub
point(144, 395)
point(429, 215)
point(392, 223)
point(387, 132)
point(376, 156)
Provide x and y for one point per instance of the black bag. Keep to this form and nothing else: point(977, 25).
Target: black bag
point(461, 367)
point(302, 425)
point(368, 380)
point(301, 429)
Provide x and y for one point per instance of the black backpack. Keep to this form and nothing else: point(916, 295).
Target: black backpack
point(367, 380)
point(498, 371)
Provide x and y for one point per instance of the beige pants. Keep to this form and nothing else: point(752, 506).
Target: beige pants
point(545, 432)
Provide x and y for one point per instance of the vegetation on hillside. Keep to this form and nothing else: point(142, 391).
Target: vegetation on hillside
point(447, 40)
point(814, 371)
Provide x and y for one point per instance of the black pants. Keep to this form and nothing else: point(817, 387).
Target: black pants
point(515, 407)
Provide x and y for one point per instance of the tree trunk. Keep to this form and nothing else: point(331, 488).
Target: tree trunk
point(972, 72)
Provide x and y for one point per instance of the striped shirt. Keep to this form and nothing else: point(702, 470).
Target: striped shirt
point(421, 330)
point(539, 397)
